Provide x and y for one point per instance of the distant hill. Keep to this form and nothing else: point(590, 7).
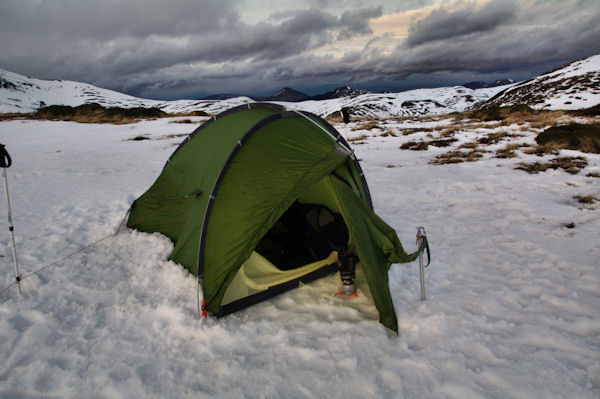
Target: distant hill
point(286, 94)
point(292, 95)
point(484, 85)
point(23, 94)
point(221, 96)
point(343, 91)
point(573, 86)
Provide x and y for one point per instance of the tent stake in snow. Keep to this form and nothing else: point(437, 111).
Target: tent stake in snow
point(422, 243)
point(5, 162)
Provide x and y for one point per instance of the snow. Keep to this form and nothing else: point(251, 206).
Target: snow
point(512, 294)
point(23, 94)
point(574, 86)
point(436, 101)
point(577, 68)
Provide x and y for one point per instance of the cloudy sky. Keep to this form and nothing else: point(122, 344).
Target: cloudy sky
point(171, 49)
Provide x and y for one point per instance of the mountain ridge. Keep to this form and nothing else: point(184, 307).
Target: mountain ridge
point(573, 86)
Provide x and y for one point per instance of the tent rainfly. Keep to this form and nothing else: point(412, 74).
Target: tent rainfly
point(259, 200)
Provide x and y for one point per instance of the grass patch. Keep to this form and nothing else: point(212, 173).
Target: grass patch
point(10, 116)
point(508, 151)
point(496, 113)
point(95, 113)
point(415, 145)
point(570, 165)
point(388, 133)
point(443, 142)
point(576, 136)
point(517, 114)
point(424, 145)
point(448, 132)
point(592, 111)
point(368, 125)
point(409, 131)
point(470, 145)
point(586, 199)
point(357, 138)
point(457, 157)
point(493, 138)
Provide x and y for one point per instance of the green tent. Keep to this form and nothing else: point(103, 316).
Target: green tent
point(259, 200)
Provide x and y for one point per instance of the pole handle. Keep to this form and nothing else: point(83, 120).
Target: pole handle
point(5, 159)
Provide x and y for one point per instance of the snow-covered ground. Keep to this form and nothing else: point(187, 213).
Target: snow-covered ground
point(512, 294)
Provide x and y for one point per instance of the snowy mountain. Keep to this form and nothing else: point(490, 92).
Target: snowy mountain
point(343, 91)
point(483, 85)
point(22, 94)
point(573, 86)
point(436, 101)
point(287, 94)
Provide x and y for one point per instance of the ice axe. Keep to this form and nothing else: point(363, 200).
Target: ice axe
point(423, 246)
point(6, 162)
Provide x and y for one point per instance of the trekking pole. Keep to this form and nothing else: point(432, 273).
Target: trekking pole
point(5, 162)
point(423, 245)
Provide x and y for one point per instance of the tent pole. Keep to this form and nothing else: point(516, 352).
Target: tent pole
point(5, 162)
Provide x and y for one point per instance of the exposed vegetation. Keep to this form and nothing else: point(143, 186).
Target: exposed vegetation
point(415, 146)
point(576, 136)
point(569, 164)
point(367, 125)
point(586, 199)
point(591, 111)
point(96, 113)
point(508, 151)
point(494, 137)
point(457, 157)
point(388, 133)
point(496, 116)
point(358, 139)
point(9, 116)
point(496, 113)
point(423, 145)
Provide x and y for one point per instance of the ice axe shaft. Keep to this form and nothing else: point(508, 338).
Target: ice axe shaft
point(6, 162)
point(421, 240)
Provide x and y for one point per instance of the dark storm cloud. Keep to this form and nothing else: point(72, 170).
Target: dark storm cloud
point(515, 37)
point(188, 48)
point(110, 43)
point(442, 24)
point(356, 22)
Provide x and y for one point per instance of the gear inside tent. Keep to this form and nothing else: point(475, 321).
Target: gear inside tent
point(259, 200)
